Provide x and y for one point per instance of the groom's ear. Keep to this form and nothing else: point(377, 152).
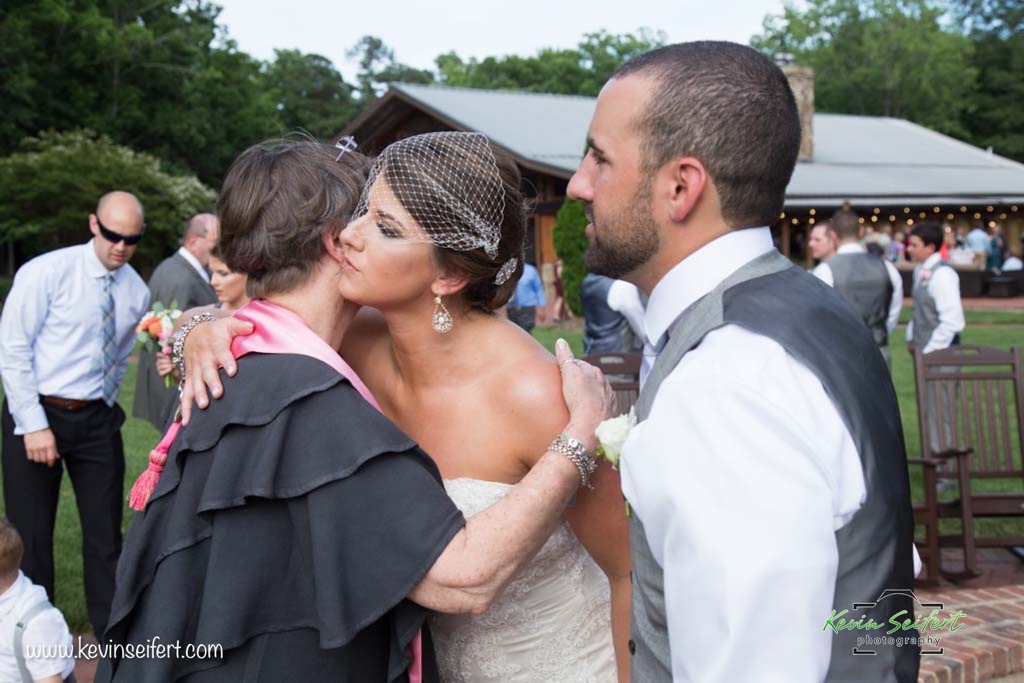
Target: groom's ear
point(679, 184)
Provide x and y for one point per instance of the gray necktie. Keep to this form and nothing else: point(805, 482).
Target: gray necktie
point(109, 348)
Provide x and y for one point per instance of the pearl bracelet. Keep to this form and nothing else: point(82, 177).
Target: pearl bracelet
point(178, 347)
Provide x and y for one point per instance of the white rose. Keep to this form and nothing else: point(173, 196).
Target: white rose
point(612, 434)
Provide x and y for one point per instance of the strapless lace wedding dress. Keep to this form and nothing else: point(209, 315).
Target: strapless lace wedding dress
point(551, 625)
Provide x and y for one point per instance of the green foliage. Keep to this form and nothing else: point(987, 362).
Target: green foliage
point(570, 243)
point(566, 72)
point(378, 67)
point(309, 93)
point(49, 187)
point(880, 58)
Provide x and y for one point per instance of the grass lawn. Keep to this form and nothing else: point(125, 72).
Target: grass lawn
point(992, 328)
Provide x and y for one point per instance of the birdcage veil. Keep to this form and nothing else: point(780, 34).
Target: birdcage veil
point(450, 184)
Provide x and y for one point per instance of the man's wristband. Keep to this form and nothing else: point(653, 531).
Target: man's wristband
point(178, 347)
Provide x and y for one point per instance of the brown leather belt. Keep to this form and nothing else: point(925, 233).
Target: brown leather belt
point(69, 403)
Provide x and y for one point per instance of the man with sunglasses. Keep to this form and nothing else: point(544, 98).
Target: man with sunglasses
point(66, 332)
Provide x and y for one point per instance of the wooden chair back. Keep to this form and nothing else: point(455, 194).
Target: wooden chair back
point(623, 373)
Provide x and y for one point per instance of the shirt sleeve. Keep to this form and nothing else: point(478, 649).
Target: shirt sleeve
point(624, 298)
point(896, 304)
point(43, 636)
point(538, 287)
point(823, 272)
point(945, 289)
point(23, 316)
point(740, 498)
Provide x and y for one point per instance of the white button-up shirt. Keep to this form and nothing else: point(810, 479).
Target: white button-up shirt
point(741, 475)
point(43, 634)
point(50, 337)
point(823, 272)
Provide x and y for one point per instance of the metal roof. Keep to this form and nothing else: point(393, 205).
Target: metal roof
point(863, 159)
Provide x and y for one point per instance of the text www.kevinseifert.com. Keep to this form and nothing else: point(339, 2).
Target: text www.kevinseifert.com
point(151, 649)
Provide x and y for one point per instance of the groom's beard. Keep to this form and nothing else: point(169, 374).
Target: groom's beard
point(625, 240)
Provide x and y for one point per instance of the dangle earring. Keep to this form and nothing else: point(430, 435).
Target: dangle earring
point(442, 321)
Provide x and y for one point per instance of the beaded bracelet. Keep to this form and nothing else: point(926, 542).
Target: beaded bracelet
point(178, 347)
point(578, 454)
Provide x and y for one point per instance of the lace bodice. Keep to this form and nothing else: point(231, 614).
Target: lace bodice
point(552, 623)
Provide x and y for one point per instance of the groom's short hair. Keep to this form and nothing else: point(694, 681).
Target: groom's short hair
point(731, 108)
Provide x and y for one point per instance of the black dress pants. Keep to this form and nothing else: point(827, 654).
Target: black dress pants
point(89, 444)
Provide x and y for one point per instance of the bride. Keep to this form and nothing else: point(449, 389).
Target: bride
point(436, 246)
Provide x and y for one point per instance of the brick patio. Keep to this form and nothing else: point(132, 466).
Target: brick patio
point(990, 646)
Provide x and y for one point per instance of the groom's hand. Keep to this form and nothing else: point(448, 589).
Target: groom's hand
point(208, 348)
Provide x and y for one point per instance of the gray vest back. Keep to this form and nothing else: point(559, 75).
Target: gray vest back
point(604, 330)
point(926, 313)
point(863, 281)
point(771, 297)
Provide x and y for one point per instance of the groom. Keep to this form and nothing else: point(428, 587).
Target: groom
point(767, 473)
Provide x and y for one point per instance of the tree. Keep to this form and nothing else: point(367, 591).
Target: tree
point(580, 71)
point(997, 29)
point(570, 242)
point(378, 66)
point(880, 58)
point(309, 93)
point(50, 185)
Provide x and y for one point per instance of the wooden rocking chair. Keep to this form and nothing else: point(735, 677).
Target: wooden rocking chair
point(970, 420)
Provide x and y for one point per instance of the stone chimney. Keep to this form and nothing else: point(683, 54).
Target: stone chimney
point(801, 80)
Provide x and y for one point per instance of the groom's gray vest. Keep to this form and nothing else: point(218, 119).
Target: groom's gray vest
point(771, 297)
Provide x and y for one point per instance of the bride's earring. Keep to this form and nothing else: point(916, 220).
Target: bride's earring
point(442, 321)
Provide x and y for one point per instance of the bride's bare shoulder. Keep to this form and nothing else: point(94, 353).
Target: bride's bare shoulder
point(528, 372)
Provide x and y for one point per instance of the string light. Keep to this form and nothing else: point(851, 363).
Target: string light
point(795, 221)
point(877, 210)
point(814, 211)
point(963, 209)
point(810, 221)
point(977, 216)
point(910, 221)
point(1002, 216)
point(782, 215)
point(906, 209)
point(949, 216)
point(874, 219)
point(923, 214)
point(991, 224)
point(892, 219)
point(1014, 208)
point(990, 209)
point(937, 210)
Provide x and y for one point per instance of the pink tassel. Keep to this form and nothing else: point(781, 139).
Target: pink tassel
point(144, 486)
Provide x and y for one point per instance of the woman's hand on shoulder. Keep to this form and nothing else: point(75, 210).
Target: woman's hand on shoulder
point(206, 349)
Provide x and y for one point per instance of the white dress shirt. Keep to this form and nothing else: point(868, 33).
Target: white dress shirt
point(624, 298)
point(944, 285)
point(50, 337)
point(741, 475)
point(194, 262)
point(46, 630)
point(823, 272)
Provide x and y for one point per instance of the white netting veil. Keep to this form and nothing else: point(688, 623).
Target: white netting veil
point(448, 182)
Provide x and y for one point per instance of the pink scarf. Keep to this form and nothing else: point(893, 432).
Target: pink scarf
point(277, 330)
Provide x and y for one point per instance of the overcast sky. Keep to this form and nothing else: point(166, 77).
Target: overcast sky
point(420, 30)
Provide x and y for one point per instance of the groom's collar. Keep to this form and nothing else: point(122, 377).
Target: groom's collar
point(699, 273)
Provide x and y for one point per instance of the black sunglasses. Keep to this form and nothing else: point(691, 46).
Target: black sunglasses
point(115, 237)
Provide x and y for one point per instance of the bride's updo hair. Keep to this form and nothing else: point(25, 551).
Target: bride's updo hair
point(277, 201)
point(464, 194)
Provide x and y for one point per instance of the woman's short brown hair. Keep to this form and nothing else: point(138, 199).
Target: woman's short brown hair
point(278, 199)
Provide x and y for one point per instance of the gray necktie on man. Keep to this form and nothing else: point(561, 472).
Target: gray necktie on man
point(109, 347)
